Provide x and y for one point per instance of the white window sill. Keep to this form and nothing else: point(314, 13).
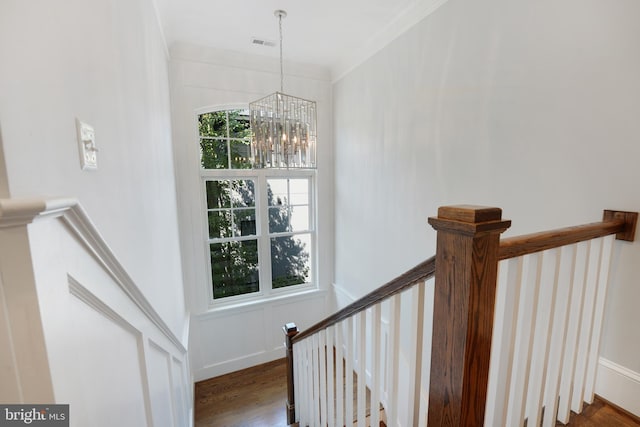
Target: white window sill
point(254, 303)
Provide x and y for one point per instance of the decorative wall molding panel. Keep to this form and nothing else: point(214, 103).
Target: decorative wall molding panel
point(75, 328)
point(260, 326)
point(15, 212)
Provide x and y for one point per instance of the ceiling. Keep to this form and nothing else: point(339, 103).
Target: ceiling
point(336, 34)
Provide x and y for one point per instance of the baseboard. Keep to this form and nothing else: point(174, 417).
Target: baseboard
point(618, 385)
point(228, 366)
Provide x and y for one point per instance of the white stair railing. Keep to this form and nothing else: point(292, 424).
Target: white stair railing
point(531, 360)
point(547, 333)
point(346, 373)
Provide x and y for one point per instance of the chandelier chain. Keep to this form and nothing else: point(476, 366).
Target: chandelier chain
point(281, 63)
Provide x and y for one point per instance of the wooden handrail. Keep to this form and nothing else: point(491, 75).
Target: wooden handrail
point(422, 271)
point(614, 222)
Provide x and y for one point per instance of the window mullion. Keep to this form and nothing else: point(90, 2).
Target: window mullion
point(228, 142)
point(264, 244)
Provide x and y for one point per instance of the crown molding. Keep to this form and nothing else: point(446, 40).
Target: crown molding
point(411, 16)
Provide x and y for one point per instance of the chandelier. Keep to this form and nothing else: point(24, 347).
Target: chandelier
point(283, 127)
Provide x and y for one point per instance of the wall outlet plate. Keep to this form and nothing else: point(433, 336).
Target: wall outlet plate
point(87, 146)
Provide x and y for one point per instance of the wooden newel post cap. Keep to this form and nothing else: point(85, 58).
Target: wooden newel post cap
point(290, 329)
point(469, 219)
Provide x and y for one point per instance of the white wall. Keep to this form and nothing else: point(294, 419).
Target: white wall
point(528, 106)
point(4, 183)
point(227, 339)
point(110, 353)
point(104, 62)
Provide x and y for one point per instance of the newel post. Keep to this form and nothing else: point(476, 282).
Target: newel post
point(290, 331)
point(465, 284)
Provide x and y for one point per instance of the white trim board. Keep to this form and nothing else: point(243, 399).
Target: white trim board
point(618, 385)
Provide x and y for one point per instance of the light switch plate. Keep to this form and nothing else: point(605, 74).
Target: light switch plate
point(87, 146)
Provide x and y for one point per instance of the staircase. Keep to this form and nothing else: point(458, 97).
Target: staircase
point(486, 332)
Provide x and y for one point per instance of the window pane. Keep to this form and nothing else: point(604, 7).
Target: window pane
point(278, 220)
point(299, 191)
point(245, 222)
point(277, 192)
point(218, 194)
point(290, 260)
point(219, 224)
point(239, 124)
point(243, 193)
point(239, 193)
point(294, 218)
point(213, 124)
point(240, 154)
point(288, 191)
point(213, 154)
point(299, 218)
point(234, 268)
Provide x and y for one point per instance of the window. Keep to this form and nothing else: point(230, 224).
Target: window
point(260, 222)
point(225, 139)
point(289, 230)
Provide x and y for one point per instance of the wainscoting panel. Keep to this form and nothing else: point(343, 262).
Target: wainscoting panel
point(160, 388)
point(10, 381)
point(233, 336)
point(179, 387)
point(228, 340)
point(107, 364)
point(77, 330)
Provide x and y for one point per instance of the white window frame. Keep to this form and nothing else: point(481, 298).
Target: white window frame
point(260, 177)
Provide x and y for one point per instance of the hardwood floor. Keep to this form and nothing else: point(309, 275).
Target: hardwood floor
point(256, 397)
point(249, 398)
point(602, 414)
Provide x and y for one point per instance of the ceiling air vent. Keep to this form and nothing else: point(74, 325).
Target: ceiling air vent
point(262, 42)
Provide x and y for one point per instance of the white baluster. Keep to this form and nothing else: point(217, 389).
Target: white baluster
point(576, 302)
point(316, 382)
point(415, 352)
point(376, 349)
point(429, 295)
point(331, 414)
point(559, 334)
point(310, 380)
point(349, 356)
point(542, 337)
point(361, 337)
point(524, 340)
point(503, 342)
point(322, 360)
point(339, 375)
point(603, 284)
point(393, 360)
point(298, 379)
point(586, 325)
